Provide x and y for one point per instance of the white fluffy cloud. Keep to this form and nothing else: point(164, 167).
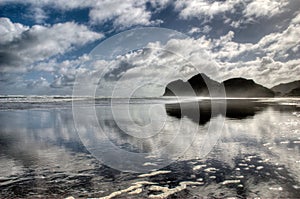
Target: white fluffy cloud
point(10, 31)
point(123, 13)
point(146, 72)
point(296, 19)
point(280, 44)
point(264, 8)
point(206, 29)
point(23, 45)
point(277, 45)
point(204, 8)
point(251, 9)
point(127, 13)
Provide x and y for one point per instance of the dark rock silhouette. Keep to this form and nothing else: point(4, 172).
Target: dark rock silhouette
point(240, 87)
point(178, 87)
point(202, 85)
point(197, 85)
point(286, 88)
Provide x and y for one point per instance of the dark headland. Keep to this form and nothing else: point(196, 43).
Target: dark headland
point(202, 85)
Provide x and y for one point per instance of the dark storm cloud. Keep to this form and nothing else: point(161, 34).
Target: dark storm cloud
point(9, 59)
point(9, 52)
point(21, 46)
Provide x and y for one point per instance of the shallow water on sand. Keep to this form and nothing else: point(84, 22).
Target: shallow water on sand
point(45, 152)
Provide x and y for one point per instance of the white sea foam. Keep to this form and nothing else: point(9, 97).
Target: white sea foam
point(149, 164)
point(231, 182)
point(284, 142)
point(267, 144)
point(210, 170)
point(296, 186)
point(137, 191)
point(276, 188)
point(153, 174)
point(134, 189)
point(199, 167)
point(167, 191)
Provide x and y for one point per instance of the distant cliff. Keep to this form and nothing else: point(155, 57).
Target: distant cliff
point(240, 87)
point(293, 93)
point(286, 89)
point(198, 85)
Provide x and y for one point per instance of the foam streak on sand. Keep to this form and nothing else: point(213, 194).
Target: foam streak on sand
point(153, 173)
point(199, 167)
point(231, 182)
point(149, 164)
point(137, 191)
point(210, 170)
point(275, 188)
point(167, 192)
point(136, 188)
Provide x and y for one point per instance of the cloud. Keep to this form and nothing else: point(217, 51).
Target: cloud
point(123, 13)
point(47, 77)
point(23, 45)
point(205, 29)
point(296, 19)
point(281, 44)
point(248, 11)
point(145, 72)
point(63, 81)
point(64, 67)
point(10, 31)
point(39, 15)
point(128, 13)
point(204, 8)
point(39, 83)
point(264, 8)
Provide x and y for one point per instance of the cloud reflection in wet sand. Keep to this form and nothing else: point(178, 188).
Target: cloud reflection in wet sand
point(256, 156)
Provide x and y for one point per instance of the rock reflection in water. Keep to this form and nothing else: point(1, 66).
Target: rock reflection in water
point(235, 109)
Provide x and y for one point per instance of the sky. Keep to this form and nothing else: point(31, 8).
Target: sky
point(45, 45)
